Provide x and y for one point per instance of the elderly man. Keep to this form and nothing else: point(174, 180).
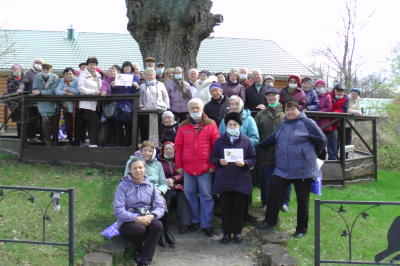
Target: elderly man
point(217, 108)
point(160, 68)
point(26, 85)
point(245, 80)
point(193, 77)
point(150, 62)
point(255, 94)
point(45, 84)
point(194, 143)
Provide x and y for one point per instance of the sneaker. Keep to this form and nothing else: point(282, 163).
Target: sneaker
point(285, 208)
point(93, 146)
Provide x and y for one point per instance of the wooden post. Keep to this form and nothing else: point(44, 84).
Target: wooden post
point(153, 128)
point(374, 148)
point(5, 115)
point(342, 149)
point(135, 127)
point(24, 125)
point(116, 250)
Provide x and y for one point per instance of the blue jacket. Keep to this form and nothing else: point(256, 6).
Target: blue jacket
point(47, 108)
point(248, 127)
point(73, 88)
point(124, 107)
point(298, 141)
point(312, 100)
point(232, 177)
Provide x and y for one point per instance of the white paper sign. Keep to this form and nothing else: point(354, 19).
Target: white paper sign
point(233, 155)
point(123, 80)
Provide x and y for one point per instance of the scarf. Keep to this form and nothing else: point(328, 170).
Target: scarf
point(178, 84)
point(140, 155)
point(94, 75)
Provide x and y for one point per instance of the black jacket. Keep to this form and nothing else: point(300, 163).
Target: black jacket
point(254, 98)
point(167, 133)
point(217, 111)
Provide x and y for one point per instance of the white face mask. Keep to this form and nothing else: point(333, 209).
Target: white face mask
point(168, 157)
point(37, 67)
point(150, 67)
point(338, 97)
point(233, 131)
point(17, 74)
point(196, 116)
point(292, 86)
point(243, 76)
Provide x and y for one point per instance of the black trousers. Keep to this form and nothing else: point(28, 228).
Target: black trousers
point(123, 134)
point(112, 133)
point(233, 205)
point(349, 133)
point(183, 207)
point(322, 155)
point(79, 131)
point(50, 127)
point(302, 188)
point(33, 116)
point(181, 116)
point(143, 124)
point(138, 234)
point(94, 125)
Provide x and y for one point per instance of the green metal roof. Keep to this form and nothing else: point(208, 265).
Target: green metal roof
point(215, 54)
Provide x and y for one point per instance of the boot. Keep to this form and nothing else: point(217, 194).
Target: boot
point(162, 242)
point(169, 237)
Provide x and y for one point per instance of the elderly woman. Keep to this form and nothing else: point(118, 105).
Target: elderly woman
point(153, 96)
point(89, 83)
point(176, 187)
point(312, 101)
point(298, 141)
point(221, 78)
point(248, 127)
point(179, 95)
point(169, 75)
point(293, 90)
point(135, 192)
point(354, 109)
point(325, 105)
point(168, 128)
point(13, 82)
point(232, 86)
point(202, 86)
point(232, 179)
point(156, 175)
point(68, 85)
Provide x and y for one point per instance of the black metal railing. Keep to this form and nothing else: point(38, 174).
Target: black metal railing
point(393, 235)
point(45, 215)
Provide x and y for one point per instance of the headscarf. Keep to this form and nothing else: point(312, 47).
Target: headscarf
point(163, 147)
point(140, 155)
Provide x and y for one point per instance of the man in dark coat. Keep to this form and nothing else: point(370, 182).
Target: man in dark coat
point(217, 108)
point(255, 94)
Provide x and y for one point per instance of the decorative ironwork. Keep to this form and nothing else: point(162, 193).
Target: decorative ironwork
point(55, 193)
point(393, 233)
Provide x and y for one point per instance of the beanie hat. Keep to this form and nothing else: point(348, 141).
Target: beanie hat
point(16, 65)
point(296, 77)
point(339, 87)
point(215, 84)
point(233, 116)
point(356, 90)
point(165, 144)
point(319, 82)
point(167, 113)
point(307, 79)
point(292, 100)
point(205, 72)
point(269, 77)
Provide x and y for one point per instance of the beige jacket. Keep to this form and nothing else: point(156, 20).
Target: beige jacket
point(354, 109)
point(87, 85)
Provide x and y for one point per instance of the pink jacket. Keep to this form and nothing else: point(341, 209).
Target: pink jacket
point(325, 105)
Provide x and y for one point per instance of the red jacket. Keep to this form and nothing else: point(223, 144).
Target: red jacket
point(193, 150)
point(298, 94)
point(169, 168)
point(339, 106)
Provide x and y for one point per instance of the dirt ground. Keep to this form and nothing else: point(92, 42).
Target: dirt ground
point(195, 248)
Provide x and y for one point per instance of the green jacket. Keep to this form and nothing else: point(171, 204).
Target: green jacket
point(46, 108)
point(267, 124)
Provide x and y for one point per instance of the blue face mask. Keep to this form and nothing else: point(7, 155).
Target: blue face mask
point(46, 75)
point(151, 82)
point(233, 131)
point(320, 90)
point(160, 71)
point(196, 116)
point(178, 76)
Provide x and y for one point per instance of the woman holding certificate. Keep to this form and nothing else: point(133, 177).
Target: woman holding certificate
point(233, 155)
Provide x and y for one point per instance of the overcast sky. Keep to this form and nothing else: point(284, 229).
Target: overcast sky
point(296, 26)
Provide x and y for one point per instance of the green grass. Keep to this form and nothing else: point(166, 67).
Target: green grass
point(368, 237)
point(94, 193)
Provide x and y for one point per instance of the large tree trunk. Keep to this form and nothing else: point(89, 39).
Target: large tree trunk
point(171, 31)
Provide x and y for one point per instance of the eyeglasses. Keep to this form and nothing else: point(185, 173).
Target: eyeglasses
point(46, 68)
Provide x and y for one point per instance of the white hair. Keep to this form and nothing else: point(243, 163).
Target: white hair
point(135, 65)
point(195, 100)
point(179, 68)
point(193, 69)
point(37, 59)
point(150, 70)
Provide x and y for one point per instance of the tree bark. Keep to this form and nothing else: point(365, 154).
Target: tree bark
point(171, 31)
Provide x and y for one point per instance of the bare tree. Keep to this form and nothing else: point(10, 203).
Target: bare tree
point(343, 57)
point(171, 31)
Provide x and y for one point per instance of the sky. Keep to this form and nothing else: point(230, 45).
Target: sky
point(296, 26)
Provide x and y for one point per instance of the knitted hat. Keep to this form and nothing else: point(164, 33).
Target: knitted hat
point(272, 90)
point(165, 144)
point(269, 77)
point(47, 64)
point(292, 100)
point(307, 79)
point(160, 63)
point(356, 90)
point(215, 85)
point(339, 87)
point(150, 59)
point(233, 116)
point(205, 72)
point(297, 78)
point(167, 113)
point(16, 65)
point(319, 82)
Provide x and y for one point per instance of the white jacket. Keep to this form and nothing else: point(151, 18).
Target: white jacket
point(149, 95)
point(203, 89)
point(87, 85)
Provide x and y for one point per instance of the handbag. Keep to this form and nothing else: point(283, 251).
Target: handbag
point(110, 110)
point(143, 211)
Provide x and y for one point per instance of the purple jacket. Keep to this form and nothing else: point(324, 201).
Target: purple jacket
point(298, 94)
point(232, 177)
point(312, 100)
point(176, 102)
point(231, 88)
point(130, 194)
point(106, 85)
point(325, 105)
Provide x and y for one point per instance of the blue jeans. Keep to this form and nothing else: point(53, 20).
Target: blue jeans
point(265, 183)
point(332, 145)
point(201, 184)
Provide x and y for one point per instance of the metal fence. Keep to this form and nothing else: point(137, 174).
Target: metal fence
point(393, 235)
point(45, 216)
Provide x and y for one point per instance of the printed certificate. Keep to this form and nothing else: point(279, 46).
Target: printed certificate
point(233, 155)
